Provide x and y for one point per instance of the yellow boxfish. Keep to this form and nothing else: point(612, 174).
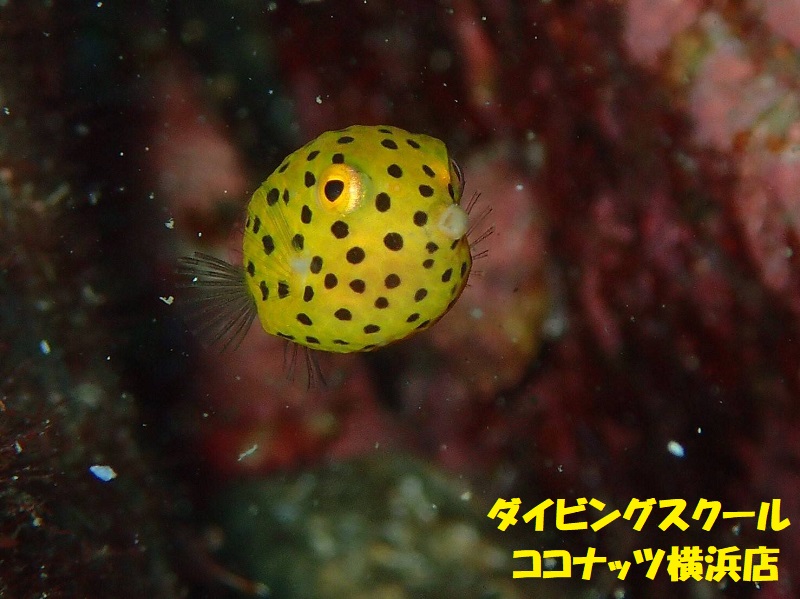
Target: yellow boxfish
point(356, 240)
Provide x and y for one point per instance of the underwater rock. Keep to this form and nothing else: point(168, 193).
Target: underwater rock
point(384, 527)
point(79, 501)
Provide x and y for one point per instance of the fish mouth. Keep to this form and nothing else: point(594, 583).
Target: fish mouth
point(452, 222)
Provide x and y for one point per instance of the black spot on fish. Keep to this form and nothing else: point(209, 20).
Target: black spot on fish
point(269, 244)
point(355, 255)
point(391, 281)
point(340, 229)
point(316, 264)
point(393, 241)
point(383, 202)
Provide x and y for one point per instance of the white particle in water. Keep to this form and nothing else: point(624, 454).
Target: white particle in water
point(248, 452)
point(102, 472)
point(676, 449)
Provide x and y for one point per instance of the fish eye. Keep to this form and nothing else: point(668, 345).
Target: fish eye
point(341, 188)
point(333, 189)
point(459, 179)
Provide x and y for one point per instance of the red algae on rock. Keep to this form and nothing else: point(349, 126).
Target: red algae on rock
point(782, 16)
point(743, 104)
point(651, 26)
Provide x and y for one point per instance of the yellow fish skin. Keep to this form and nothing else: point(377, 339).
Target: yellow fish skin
point(355, 241)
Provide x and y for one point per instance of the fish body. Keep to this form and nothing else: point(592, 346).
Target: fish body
point(355, 241)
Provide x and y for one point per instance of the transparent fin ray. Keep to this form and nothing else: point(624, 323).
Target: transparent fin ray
point(482, 237)
point(472, 201)
point(219, 307)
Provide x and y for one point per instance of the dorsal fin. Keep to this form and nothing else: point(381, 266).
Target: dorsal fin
point(220, 309)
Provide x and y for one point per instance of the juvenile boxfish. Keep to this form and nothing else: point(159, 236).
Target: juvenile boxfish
point(356, 240)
